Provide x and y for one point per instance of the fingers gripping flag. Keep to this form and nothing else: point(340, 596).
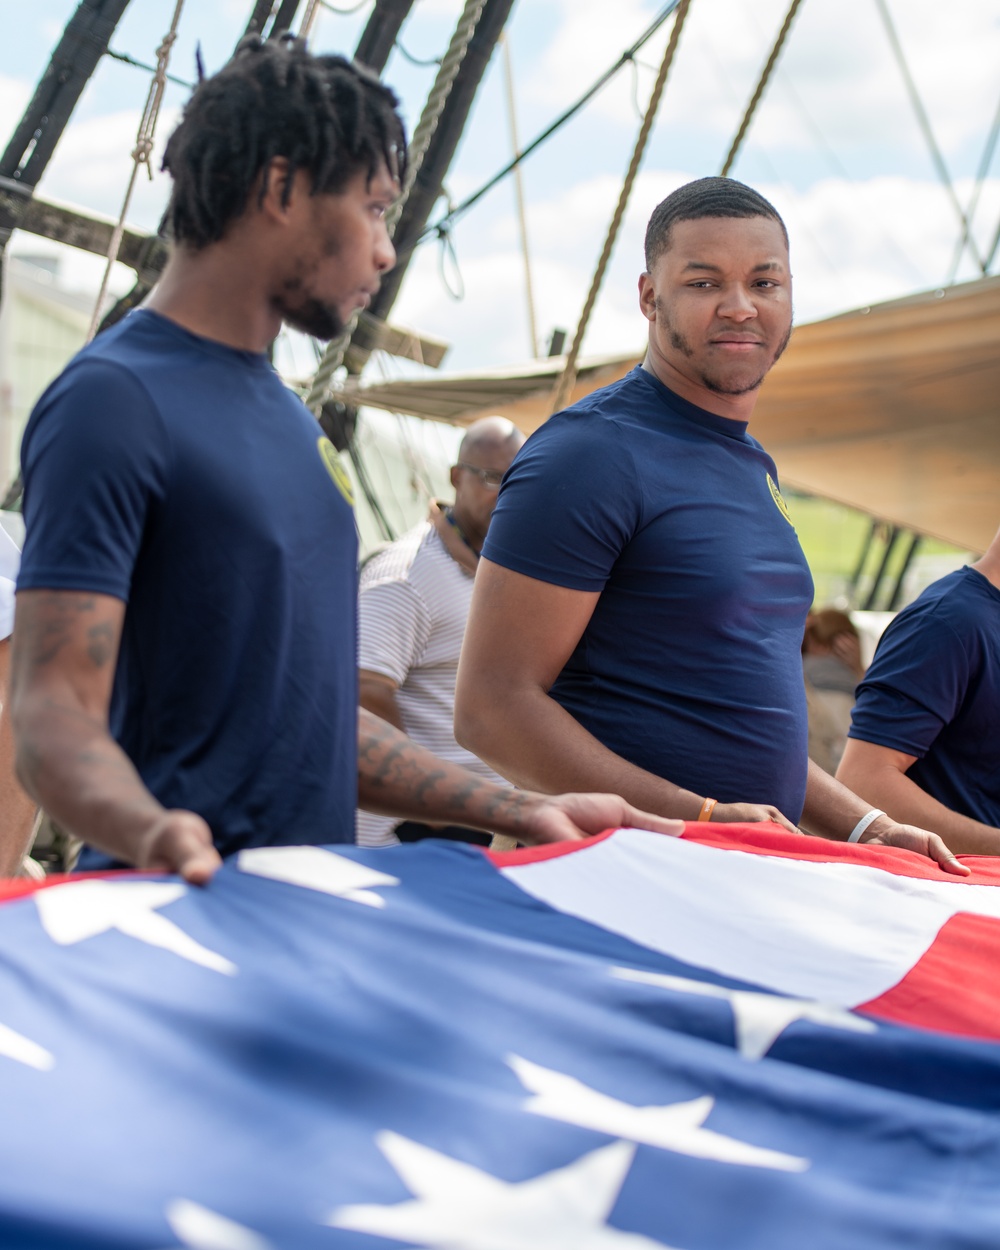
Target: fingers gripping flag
point(738, 1038)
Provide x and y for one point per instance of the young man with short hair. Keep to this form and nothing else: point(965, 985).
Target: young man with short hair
point(639, 608)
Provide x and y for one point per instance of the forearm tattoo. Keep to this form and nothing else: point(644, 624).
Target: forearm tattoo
point(397, 774)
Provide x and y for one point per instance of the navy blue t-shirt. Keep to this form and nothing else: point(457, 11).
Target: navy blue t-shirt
point(183, 477)
point(690, 666)
point(933, 691)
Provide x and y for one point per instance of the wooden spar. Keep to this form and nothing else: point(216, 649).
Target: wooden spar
point(379, 36)
point(83, 43)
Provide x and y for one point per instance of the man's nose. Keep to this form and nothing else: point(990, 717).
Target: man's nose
point(385, 253)
point(737, 303)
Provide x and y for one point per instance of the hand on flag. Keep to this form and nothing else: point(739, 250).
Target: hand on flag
point(886, 832)
point(750, 814)
point(179, 842)
point(574, 817)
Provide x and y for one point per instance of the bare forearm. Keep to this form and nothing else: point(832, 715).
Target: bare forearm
point(17, 809)
point(396, 777)
point(831, 810)
point(75, 770)
point(529, 738)
point(886, 787)
point(378, 698)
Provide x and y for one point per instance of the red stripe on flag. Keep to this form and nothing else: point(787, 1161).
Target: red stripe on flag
point(769, 839)
point(765, 838)
point(17, 887)
point(552, 850)
point(953, 986)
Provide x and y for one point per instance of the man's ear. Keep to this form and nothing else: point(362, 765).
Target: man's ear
point(647, 296)
point(273, 189)
point(454, 475)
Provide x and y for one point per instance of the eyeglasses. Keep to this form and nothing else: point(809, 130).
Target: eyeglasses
point(490, 478)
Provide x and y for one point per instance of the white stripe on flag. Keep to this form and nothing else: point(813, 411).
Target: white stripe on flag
point(838, 933)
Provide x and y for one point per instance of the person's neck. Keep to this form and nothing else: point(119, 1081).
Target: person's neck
point(989, 563)
point(212, 293)
point(471, 533)
point(733, 407)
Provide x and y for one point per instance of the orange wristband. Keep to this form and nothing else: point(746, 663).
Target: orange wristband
point(707, 808)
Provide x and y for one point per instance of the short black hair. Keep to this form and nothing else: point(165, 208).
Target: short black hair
point(705, 197)
point(324, 114)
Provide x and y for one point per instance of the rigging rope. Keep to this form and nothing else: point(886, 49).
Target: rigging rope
point(522, 220)
point(970, 212)
point(150, 69)
point(312, 8)
point(772, 60)
point(626, 58)
point(925, 126)
point(140, 155)
point(993, 247)
point(564, 385)
point(333, 357)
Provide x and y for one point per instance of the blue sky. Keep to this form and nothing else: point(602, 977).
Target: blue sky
point(835, 146)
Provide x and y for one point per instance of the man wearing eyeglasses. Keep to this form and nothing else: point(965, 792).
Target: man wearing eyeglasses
point(412, 608)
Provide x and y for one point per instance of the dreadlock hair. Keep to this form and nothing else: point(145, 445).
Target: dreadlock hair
point(324, 114)
point(705, 197)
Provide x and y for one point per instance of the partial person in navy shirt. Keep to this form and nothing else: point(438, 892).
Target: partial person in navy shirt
point(924, 742)
point(184, 668)
point(639, 607)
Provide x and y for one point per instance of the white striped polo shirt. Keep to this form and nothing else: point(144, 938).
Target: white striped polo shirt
point(413, 603)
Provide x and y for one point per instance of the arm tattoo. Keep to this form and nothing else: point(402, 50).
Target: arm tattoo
point(409, 779)
point(100, 644)
point(52, 625)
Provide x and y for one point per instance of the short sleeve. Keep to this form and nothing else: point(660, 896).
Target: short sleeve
point(915, 686)
point(569, 504)
point(94, 462)
point(393, 628)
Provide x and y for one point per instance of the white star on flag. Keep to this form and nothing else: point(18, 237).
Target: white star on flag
point(677, 1126)
point(24, 1050)
point(314, 868)
point(83, 909)
point(759, 1018)
point(199, 1228)
point(459, 1207)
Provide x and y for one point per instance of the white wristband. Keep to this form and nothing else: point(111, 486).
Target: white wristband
point(863, 824)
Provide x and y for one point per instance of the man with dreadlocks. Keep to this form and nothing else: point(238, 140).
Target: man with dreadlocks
point(184, 664)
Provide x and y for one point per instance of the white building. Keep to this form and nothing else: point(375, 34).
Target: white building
point(41, 326)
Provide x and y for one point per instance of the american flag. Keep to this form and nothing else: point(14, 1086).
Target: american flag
point(736, 1039)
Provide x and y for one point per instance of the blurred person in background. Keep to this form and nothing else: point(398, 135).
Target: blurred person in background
point(832, 667)
point(412, 608)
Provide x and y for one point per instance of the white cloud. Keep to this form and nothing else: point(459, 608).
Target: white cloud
point(14, 95)
point(837, 59)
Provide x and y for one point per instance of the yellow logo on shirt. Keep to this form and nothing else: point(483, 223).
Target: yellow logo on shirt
point(776, 496)
point(335, 467)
